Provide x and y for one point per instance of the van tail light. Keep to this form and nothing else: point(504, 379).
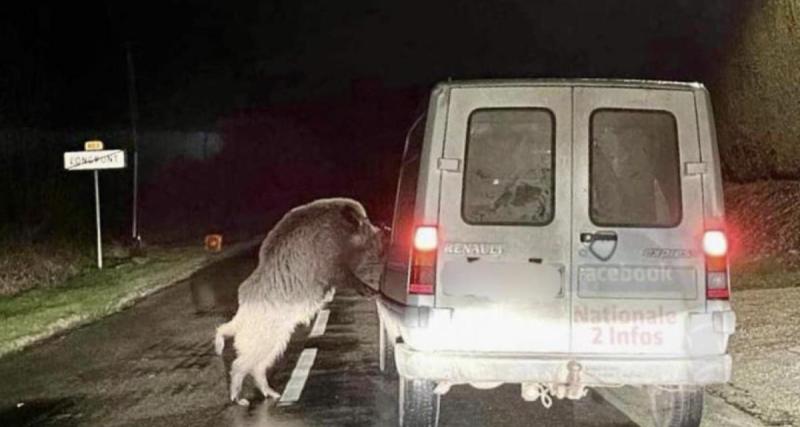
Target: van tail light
point(422, 280)
point(715, 247)
point(715, 243)
point(426, 238)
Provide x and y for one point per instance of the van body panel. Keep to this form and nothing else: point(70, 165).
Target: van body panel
point(601, 263)
point(426, 200)
point(713, 194)
point(522, 277)
point(572, 83)
point(713, 200)
point(427, 204)
point(639, 297)
point(597, 370)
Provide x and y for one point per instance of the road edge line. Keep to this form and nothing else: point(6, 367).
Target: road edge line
point(297, 381)
point(320, 324)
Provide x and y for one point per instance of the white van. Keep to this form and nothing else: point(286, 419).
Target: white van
point(559, 235)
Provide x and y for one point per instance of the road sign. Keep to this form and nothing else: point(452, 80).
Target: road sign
point(93, 145)
point(94, 160)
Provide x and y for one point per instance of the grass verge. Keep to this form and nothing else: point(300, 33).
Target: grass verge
point(41, 313)
point(769, 272)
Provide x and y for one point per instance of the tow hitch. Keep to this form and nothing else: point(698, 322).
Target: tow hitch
point(571, 389)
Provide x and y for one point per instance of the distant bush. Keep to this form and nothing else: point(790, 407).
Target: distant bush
point(26, 266)
point(756, 94)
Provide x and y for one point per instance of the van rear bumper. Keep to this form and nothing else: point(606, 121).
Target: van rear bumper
point(595, 370)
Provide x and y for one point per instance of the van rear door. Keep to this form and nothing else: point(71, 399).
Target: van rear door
point(504, 220)
point(637, 266)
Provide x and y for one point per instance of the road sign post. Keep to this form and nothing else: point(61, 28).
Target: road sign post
point(97, 219)
point(95, 158)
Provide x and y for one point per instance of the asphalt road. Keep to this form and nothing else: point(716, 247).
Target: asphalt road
point(154, 365)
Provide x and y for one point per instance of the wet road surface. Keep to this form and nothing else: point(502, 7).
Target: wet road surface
point(154, 365)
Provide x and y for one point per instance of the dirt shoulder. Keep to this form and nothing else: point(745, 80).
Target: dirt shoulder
point(765, 387)
point(766, 356)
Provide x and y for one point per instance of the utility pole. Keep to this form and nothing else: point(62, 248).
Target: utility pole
point(132, 103)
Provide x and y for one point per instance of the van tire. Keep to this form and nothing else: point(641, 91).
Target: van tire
point(680, 407)
point(418, 405)
point(386, 362)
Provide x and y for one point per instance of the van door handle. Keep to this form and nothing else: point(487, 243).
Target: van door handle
point(598, 236)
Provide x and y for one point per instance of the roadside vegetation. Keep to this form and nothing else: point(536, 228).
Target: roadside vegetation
point(768, 272)
point(24, 266)
point(91, 294)
point(764, 227)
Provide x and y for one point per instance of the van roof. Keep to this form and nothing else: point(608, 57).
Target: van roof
point(623, 83)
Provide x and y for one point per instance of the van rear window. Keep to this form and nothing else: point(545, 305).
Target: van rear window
point(508, 173)
point(634, 169)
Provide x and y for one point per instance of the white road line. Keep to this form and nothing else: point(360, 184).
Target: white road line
point(299, 376)
point(293, 389)
point(320, 324)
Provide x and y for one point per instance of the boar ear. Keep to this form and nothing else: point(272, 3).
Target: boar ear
point(352, 217)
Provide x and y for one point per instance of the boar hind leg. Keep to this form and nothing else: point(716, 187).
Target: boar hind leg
point(276, 347)
point(263, 385)
point(238, 372)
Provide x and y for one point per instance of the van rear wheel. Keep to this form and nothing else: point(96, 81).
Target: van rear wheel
point(386, 362)
point(418, 404)
point(676, 407)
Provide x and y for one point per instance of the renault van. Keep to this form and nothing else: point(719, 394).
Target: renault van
point(559, 235)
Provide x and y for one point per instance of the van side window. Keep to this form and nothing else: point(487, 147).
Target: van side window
point(407, 187)
point(634, 169)
point(509, 165)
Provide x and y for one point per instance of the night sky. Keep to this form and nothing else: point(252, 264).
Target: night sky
point(196, 61)
point(312, 98)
